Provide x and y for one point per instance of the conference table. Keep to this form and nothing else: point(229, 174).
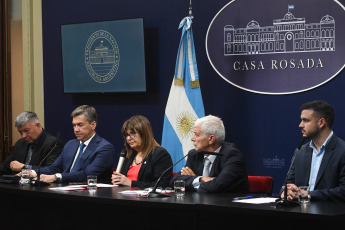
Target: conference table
point(41, 207)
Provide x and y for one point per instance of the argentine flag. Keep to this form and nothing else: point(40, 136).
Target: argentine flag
point(291, 7)
point(185, 103)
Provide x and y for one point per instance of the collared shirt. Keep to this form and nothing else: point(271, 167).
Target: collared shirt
point(316, 161)
point(196, 182)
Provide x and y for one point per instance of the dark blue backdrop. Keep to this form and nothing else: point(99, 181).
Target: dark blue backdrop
point(262, 126)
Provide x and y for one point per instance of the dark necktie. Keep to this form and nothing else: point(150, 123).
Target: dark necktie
point(81, 147)
point(28, 156)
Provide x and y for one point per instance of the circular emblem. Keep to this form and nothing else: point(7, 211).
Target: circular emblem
point(184, 123)
point(102, 56)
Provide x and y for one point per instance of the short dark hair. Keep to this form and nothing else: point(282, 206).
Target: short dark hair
point(322, 109)
point(88, 111)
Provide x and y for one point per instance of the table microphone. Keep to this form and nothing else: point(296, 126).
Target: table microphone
point(121, 160)
point(210, 153)
point(38, 182)
point(153, 193)
point(284, 202)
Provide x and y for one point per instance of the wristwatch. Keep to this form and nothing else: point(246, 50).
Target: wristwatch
point(58, 177)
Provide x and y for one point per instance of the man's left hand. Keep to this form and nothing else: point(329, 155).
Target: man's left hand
point(187, 171)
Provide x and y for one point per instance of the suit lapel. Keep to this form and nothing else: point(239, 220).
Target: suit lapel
point(329, 151)
point(306, 164)
point(216, 162)
point(213, 166)
point(88, 151)
point(70, 157)
point(21, 157)
point(143, 166)
point(200, 164)
point(35, 158)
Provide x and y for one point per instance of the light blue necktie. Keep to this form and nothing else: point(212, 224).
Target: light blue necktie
point(81, 147)
point(207, 164)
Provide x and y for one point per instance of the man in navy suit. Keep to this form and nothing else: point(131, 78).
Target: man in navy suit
point(225, 172)
point(89, 154)
point(319, 164)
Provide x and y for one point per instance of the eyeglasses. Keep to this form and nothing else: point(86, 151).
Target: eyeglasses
point(146, 191)
point(131, 134)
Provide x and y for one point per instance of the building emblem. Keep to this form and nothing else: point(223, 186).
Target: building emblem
point(102, 56)
point(280, 49)
point(273, 162)
point(287, 35)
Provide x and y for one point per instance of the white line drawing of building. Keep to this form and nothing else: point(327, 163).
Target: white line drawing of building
point(287, 35)
point(102, 55)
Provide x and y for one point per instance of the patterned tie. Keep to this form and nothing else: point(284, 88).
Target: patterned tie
point(207, 164)
point(81, 147)
point(28, 156)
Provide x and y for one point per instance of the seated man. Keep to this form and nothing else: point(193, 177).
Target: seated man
point(89, 154)
point(225, 172)
point(33, 147)
point(319, 164)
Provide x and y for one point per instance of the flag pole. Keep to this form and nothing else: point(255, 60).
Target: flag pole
point(190, 8)
point(184, 105)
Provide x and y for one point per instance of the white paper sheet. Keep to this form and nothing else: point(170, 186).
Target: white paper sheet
point(262, 200)
point(80, 187)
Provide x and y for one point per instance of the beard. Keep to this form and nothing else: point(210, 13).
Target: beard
point(311, 134)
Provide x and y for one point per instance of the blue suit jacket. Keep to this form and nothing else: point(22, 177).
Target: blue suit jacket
point(330, 181)
point(97, 159)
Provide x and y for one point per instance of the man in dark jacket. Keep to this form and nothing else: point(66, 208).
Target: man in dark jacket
point(225, 172)
point(33, 147)
point(320, 163)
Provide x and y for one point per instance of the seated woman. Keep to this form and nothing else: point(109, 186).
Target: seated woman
point(146, 160)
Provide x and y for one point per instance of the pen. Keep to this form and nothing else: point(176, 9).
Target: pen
point(244, 197)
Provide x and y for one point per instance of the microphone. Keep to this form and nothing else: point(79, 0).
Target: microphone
point(284, 202)
point(121, 160)
point(210, 153)
point(153, 192)
point(37, 182)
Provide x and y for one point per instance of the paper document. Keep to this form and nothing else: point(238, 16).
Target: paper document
point(262, 200)
point(80, 187)
point(142, 192)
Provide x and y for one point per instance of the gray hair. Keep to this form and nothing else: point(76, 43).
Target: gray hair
point(88, 111)
point(212, 125)
point(25, 117)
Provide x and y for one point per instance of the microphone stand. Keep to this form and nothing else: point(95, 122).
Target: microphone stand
point(284, 202)
point(38, 182)
point(154, 193)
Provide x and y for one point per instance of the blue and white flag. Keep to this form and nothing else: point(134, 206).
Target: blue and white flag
point(291, 7)
point(185, 103)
